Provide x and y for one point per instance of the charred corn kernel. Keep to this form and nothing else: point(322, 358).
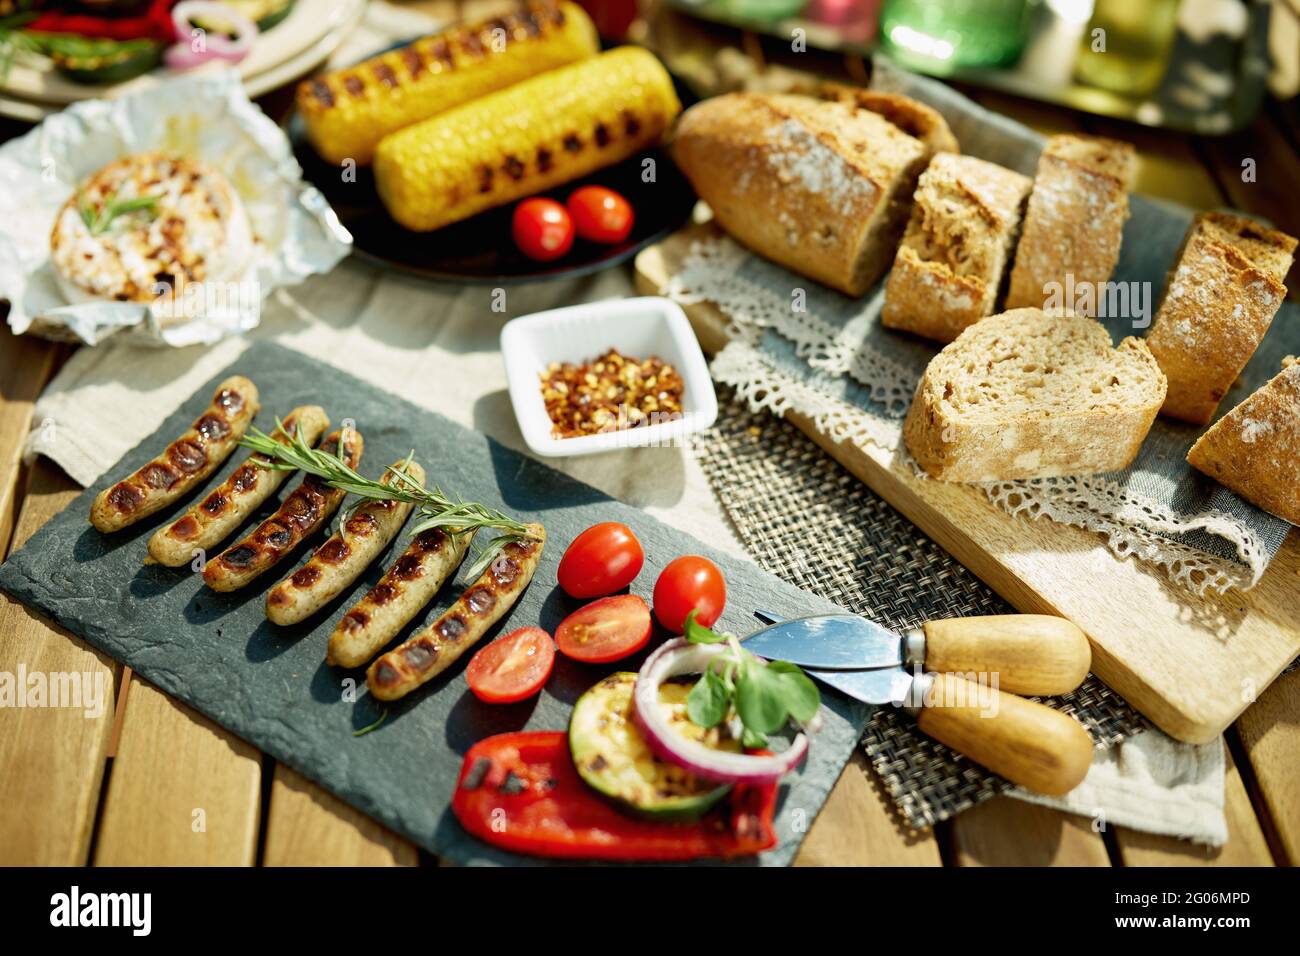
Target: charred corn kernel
point(348, 112)
point(518, 141)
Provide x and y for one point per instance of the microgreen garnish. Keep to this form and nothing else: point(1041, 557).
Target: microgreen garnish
point(763, 696)
point(383, 715)
point(435, 509)
point(99, 220)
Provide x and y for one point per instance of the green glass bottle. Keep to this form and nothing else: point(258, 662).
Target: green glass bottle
point(1127, 44)
point(935, 36)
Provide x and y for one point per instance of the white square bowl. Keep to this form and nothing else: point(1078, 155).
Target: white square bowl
point(638, 328)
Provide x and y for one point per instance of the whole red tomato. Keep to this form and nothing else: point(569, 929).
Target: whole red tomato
point(600, 214)
point(542, 229)
point(689, 583)
point(603, 559)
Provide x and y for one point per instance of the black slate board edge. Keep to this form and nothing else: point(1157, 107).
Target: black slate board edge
point(42, 575)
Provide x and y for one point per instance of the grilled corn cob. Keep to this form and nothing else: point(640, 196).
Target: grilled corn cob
point(348, 112)
point(522, 140)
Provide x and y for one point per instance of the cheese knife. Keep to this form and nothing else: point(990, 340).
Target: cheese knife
point(1034, 654)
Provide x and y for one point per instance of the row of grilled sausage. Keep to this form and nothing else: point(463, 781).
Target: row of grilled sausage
point(406, 587)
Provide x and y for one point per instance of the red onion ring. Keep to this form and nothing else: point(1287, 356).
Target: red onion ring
point(672, 659)
point(183, 56)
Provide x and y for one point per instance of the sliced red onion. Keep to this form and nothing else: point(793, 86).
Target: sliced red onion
point(679, 657)
point(185, 15)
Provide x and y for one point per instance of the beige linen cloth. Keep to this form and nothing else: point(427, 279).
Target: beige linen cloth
point(437, 346)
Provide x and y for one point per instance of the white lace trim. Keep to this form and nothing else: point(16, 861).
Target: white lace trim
point(1131, 524)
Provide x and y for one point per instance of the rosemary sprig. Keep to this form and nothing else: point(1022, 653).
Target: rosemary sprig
point(98, 220)
point(435, 509)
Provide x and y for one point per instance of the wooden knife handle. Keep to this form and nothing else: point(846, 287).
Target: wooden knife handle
point(1026, 742)
point(1031, 653)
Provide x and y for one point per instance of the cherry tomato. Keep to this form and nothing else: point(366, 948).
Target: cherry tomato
point(605, 630)
point(542, 229)
point(600, 214)
point(513, 667)
point(689, 582)
point(603, 559)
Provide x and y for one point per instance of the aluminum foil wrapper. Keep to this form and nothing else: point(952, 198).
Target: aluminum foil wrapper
point(206, 116)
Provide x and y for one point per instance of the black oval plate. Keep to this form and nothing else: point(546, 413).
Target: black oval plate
point(479, 250)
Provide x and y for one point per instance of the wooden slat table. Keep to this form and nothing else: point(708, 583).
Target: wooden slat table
point(150, 782)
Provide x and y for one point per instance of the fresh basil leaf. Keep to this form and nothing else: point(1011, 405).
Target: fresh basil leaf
point(706, 704)
point(801, 696)
point(760, 700)
point(753, 741)
point(698, 633)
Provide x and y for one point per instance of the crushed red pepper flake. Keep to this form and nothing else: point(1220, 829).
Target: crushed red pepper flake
point(610, 393)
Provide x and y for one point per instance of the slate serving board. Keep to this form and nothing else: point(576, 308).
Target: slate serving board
point(270, 685)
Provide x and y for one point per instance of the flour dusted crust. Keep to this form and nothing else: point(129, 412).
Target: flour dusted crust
point(1255, 448)
point(1075, 218)
point(1028, 394)
point(1218, 304)
point(949, 268)
point(820, 185)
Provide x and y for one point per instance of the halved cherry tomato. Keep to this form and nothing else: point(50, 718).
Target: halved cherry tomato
point(689, 582)
point(603, 559)
point(542, 229)
point(605, 630)
point(513, 667)
point(600, 214)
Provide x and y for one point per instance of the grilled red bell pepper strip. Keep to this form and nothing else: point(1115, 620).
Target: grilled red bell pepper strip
point(521, 792)
point(154, 22)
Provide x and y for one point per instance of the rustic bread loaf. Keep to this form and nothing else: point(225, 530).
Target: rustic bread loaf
point(949, 269)
point(1075, 218)
point(1028, 394)
point(1218, 303)
point(1255, 448)
point(821, 186)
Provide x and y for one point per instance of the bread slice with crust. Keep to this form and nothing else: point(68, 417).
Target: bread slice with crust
point(1027, 394)
point(1075, 218)
point(818, 183)
point(1220, 300)
point(949, 269)
point(1255, 448)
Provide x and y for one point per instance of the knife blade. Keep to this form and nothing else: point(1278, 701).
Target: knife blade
point(886, 685)
point(830, 642)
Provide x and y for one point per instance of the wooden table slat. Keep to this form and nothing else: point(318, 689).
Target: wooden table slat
point(26, 364)
point(51, 758)
point(1270, 735)
point(1009, 832)
point(308, 826)
point(858, 826)
point(183, 791)
point(1246, 845)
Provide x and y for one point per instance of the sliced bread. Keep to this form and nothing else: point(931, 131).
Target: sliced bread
point(1075, 218)
point(949, 268)
point(821, 186)
point(1219, 302)
point(1027, 394)
point(1255, 448)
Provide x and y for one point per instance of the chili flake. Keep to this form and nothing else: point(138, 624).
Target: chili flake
point(610, 393)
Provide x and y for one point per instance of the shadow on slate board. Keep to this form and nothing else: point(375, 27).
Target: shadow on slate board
point(270, 685)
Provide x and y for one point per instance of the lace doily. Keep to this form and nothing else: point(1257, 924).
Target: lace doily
point(1132, 524)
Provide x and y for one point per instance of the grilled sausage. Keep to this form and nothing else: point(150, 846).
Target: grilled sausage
point(212, 520)
point(405, 588)
point(187, 461)
point(429, 652)
point(338, 562)
point(306, 509)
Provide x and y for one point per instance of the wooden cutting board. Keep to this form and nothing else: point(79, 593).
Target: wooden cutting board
point(1189, 664)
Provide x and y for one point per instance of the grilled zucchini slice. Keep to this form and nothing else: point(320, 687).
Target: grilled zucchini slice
point(614, 759)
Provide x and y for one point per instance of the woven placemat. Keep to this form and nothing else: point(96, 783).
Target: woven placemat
point(805, 518)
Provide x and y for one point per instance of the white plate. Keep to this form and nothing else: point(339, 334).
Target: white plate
point(638, 328)
point(306, 33)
